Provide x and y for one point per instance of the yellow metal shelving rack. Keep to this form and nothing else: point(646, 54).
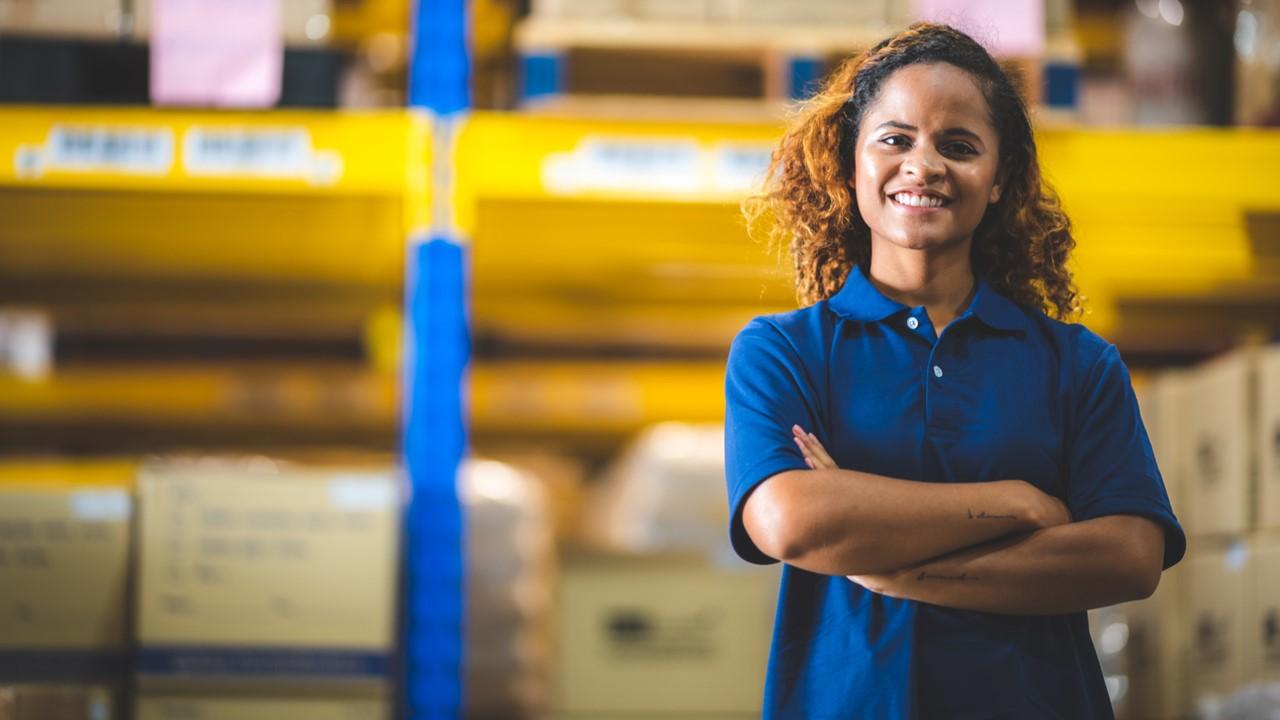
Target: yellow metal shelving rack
point(238, 204)
point(583, 231)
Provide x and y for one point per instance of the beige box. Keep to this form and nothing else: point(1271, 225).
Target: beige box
point(661, 634)
point(56, 702)
point(303, 22)
point(1162, 400)
point(223, 707)
point(67, 18)
point(1268, 438)
point(1217, 581)
point(64, 568)
point(1262, 616)
point(1217, 446)
point(261, 573)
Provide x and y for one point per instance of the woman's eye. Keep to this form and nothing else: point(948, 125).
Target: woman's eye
point(962, 148)
point(894, 140)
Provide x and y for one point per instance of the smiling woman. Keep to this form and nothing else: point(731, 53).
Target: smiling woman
point(951, 476)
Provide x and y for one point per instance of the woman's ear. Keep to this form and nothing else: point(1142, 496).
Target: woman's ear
point(995, 194)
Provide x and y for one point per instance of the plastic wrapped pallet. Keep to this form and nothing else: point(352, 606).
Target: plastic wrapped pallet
point(664, 493)
point(510, 579)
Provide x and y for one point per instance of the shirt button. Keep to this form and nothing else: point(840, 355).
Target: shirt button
point(913, 323)
point(937, 371)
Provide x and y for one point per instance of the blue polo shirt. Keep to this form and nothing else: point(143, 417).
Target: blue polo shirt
point(1005, 392)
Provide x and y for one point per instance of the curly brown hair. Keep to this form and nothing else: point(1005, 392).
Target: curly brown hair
point(1020, 247)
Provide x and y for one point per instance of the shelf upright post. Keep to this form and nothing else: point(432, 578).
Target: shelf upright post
point(436, 353)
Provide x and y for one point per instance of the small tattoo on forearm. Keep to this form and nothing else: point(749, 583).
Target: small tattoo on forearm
point(984, 515)
point(962, 577)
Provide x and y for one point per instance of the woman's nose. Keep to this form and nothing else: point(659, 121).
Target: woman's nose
point(922, 164)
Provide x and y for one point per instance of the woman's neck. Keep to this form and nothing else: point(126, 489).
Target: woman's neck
point(942, 283)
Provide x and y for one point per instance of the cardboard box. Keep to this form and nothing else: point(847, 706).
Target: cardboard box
point(160, 707)
point(261, 575)
point(64, 570)
point(303, 22)
point(1262, 617)
point(661, 634)
point(56, 702)
point(67, 18)
point(1217, 580)
point(1268, 438)
point(1217, 446)
point(1163, 402)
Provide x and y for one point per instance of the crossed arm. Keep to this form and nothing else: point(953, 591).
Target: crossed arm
point(1002, 546)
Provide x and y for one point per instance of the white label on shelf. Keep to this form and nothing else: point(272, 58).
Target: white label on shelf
point(26, 344)
point(102, 148)
point(284, 152)
point(740, 167)
point(100, 505)
point(358, 493)
point(625, 165)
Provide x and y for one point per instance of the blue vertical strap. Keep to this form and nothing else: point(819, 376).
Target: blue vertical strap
point(542, 74)
point(436, 352)
point(436, 355)
point(1061, 84)
point(440, 66)
point(805, 74)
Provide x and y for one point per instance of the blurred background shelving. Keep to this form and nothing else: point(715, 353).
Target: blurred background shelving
point(203, 294)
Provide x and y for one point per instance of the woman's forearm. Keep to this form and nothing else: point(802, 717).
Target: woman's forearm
point(1064, 569)
point(843, 522)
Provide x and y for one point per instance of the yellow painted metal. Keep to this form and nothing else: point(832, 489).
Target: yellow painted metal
point(57, 474)
point(353, 153)
point(593, 398)
point(508, 156)
point(519, 397)
point(205, 396)
point(1154, 211)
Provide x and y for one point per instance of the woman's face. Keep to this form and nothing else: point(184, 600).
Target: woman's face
point(926, 161)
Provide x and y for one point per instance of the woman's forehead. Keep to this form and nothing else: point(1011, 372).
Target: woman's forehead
point(930, 96)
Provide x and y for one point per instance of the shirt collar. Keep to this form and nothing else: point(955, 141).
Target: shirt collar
point(860, 300)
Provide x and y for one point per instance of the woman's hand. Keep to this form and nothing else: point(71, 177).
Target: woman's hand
point(815, 455)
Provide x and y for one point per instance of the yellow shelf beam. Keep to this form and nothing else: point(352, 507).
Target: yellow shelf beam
point(277, 152)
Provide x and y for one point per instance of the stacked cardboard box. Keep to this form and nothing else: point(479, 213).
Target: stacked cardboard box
point(266, 591)
point(64, 569)
point(670, 635)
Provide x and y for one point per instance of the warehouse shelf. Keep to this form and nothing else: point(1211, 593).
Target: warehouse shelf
point(281, 152)
point(646, 211)
point(517, 397)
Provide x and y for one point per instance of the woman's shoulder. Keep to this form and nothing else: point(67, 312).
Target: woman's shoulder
point(1074, 341)
point(800, 332)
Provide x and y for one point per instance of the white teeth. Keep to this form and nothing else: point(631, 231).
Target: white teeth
point(918, 200)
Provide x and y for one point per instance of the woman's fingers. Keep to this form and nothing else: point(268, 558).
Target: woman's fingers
point(815, 455)
point(819, 452)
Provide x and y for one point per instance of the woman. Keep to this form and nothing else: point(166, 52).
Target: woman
point(999, 480)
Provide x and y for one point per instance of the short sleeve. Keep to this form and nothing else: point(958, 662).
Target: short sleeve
point(766, 392)
point(1111, 467)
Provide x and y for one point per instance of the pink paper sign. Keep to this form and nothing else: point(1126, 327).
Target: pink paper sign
point(1007, 28)
point(224, 53)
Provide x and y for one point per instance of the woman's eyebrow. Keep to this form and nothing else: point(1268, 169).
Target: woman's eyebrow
point(951, 131)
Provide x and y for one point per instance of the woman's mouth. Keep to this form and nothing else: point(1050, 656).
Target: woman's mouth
point(914, 201)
